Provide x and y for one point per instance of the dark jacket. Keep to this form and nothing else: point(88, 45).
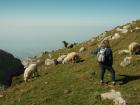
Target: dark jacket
point(108, 56)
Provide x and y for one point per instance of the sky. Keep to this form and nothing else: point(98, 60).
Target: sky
point(30, 26)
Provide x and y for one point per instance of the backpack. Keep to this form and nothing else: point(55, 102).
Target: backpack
point(101, 55)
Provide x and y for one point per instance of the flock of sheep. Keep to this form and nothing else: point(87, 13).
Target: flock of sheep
point(73, 57)
point(31, 67)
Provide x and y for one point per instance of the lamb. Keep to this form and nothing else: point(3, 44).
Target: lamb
point(134, 48)
point(31, 70)
point(115, 96)
point(126, 26)
point(72, 57)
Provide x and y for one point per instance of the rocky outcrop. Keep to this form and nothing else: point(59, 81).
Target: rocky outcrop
point(9, 67)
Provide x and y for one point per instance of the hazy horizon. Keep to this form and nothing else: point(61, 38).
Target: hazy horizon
point(28, 27)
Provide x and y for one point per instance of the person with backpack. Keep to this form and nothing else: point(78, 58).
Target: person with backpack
point(105, 60)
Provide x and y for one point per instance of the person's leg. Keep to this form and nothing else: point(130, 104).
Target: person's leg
point(111, 70)
point(102, 72)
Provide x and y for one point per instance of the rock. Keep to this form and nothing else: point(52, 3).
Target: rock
point(9, 67)
point(116, 36)
point(107, 38)
point(137, 28)
point(67, 91)
point(82, 49)
point(124, 52)
point(114, 96)
point(126, 26)
point(126, 61)
point(1, 95)
point(51, 62)
point(46, 83)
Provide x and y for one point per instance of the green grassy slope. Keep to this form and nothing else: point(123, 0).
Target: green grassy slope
point(78, 84)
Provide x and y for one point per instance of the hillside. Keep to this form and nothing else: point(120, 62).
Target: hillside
point(78, 84)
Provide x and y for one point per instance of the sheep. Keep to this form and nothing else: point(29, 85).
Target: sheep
point(82, 49)
point(134, 48)
point(115, 96)
point(72, 57)
point(61, 58)
point(31, 70)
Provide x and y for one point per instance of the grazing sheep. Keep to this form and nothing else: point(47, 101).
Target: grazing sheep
point(115, 96)
point(116, 36)
point(93, 39)
point(134, 48)
point(82, 49)
point(72, 57)
point(61, 58)
point(31, 70)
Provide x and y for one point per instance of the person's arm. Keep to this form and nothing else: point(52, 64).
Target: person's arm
point(94, 52)
point(111, 57)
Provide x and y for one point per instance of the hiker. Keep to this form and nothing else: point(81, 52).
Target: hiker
point(105, 60)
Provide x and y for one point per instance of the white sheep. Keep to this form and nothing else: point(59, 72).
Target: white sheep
point(61, 58)
point(122, 30)
point(72, 57)
point(31, 70)
point(115, 96)
point(134, 48)
point(50, 62)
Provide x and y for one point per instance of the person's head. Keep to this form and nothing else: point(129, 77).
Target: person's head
point(105, 43)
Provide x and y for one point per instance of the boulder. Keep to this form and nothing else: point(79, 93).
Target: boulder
point(82, 49)
point(114, 96)
point(9, 67)
point(126, 61)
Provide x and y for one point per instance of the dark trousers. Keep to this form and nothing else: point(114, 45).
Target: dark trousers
point(103, 68)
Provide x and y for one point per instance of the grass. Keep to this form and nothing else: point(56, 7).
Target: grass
point(78, 84)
